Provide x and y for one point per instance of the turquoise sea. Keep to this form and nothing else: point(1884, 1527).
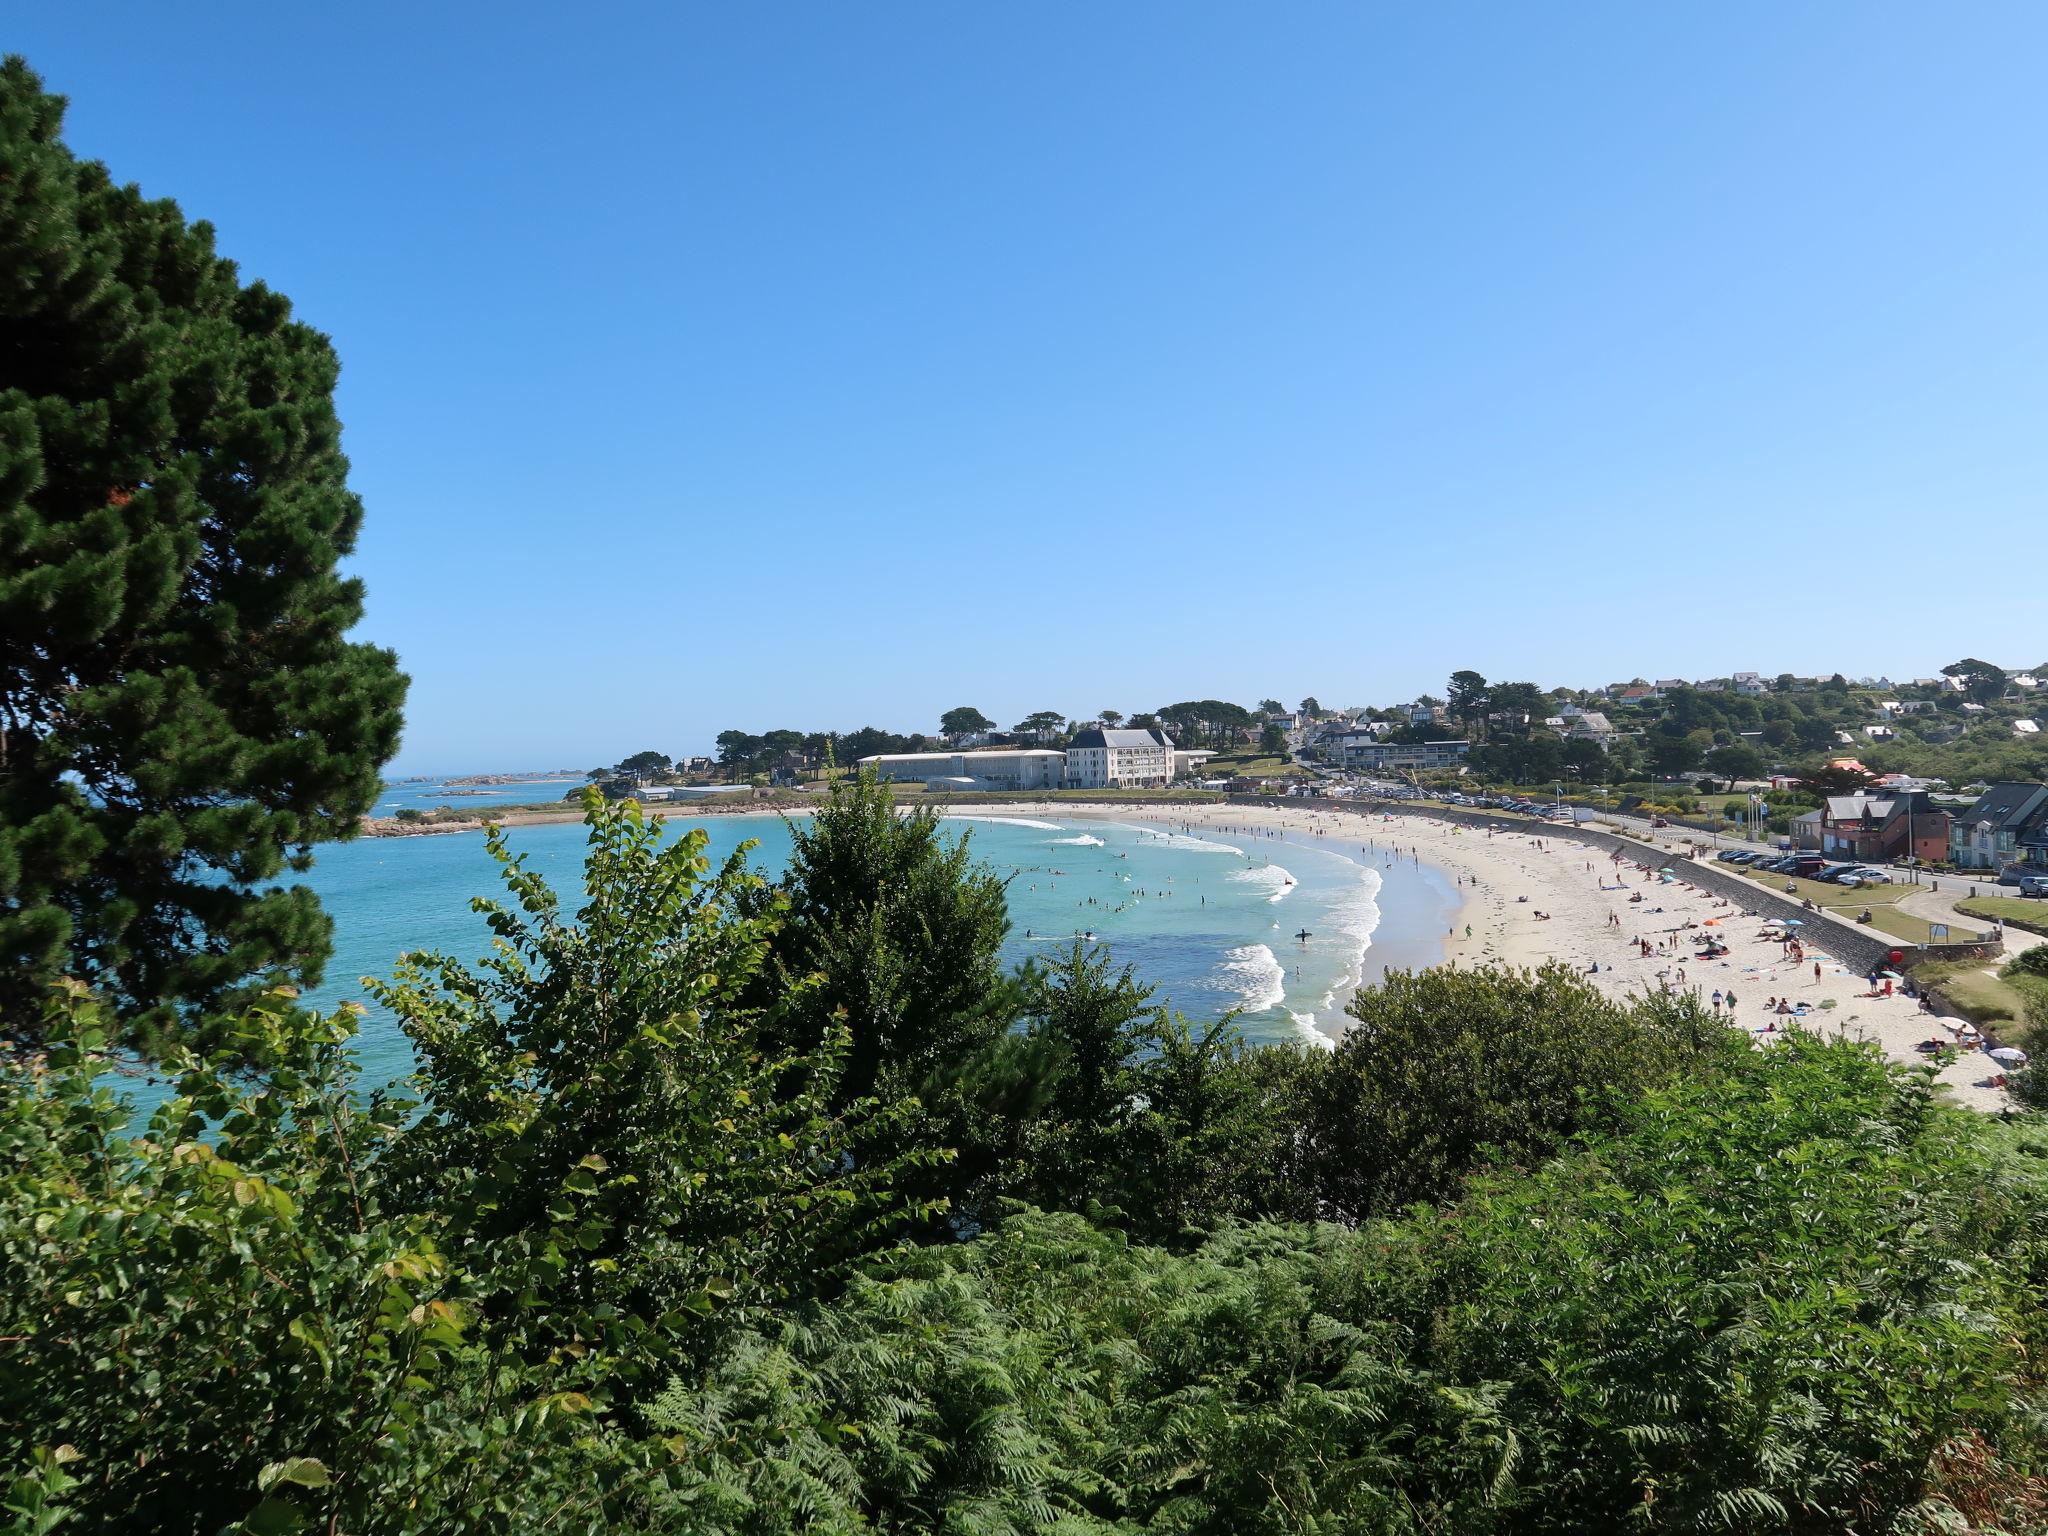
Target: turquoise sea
point(1213, 920)
point(433, 794)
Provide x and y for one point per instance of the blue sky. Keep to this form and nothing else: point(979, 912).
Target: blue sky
point(827, 365)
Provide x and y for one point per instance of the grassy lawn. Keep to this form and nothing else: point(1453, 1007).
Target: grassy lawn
point(1981, 998)
point(1900, 925)
point(1848, 904)
point(1251, 766)
point(1823, 894)
point(2011, 910)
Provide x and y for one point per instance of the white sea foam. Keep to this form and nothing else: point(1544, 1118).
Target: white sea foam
point(1355, 914)
point(1004, 821)
point(1083, 841)
point(1270, 878)
point(1305, 1026)
point(1158, 837)
point(1188, 844)
point(1255, 974)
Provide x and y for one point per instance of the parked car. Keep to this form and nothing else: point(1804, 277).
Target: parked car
point(1834, 873)
point(2034, 885)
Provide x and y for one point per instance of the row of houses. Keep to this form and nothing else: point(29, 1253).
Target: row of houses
point(1755, 684)
point(1097, 758)
point(2007, 826)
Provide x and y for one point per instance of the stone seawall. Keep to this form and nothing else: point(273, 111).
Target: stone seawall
point(1860, 949)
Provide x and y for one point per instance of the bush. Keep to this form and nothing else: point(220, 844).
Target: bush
point(1447, 1070)
point(2032, 961)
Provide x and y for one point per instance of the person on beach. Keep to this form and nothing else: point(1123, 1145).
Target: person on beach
point(1717, 997)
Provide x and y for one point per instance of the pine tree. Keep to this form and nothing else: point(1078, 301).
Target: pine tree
point(181, 717)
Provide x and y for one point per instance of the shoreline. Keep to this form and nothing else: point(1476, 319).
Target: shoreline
point(1529, 899)
point(1504, 878)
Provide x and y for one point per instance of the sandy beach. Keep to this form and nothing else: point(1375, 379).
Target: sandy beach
point(1510, 877)
point(1530, 899)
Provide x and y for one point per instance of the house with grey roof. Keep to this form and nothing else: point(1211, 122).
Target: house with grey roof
point(1872, 828)
point(2007, 825)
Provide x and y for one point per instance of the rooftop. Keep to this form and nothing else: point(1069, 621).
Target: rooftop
point(1098, 739)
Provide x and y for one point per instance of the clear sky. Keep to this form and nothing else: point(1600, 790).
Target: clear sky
point(821, 365)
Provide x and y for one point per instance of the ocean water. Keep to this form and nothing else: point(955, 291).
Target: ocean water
point(1280, 928)
point(433, 794)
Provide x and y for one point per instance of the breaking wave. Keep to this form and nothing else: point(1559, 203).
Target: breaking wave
point(1255, 974)
point(1305, 1026)
point(1270, 878)
point(1187, 844)
point(1354, 915)
point(1083, 841)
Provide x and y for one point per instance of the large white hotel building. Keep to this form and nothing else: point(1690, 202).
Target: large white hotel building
point(1094, 759)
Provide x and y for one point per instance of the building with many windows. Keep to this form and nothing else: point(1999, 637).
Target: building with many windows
point(1004, 768)
point(2007, 825)
point(1363, 753)
point(1105, 759)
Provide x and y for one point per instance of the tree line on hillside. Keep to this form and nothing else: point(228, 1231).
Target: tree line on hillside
point(1725, 734)
point(1200, 722)
point(1732, 735)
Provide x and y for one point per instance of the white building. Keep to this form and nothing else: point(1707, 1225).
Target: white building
point(1103, 759)
point(1370, 756)
point(1005, 768)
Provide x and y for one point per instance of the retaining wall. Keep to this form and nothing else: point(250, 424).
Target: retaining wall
point(1861, 949)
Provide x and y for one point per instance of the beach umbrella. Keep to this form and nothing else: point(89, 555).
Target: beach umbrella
point(1793, 922)
point(2011, 1055)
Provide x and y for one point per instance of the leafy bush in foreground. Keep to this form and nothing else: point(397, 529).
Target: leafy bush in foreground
point(1795, 1297)
point(639, 1268)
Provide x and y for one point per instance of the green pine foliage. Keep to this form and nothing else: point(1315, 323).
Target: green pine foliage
point(889, 926)
point(181, 715)
point(639, 1264)
point(730, 1206)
